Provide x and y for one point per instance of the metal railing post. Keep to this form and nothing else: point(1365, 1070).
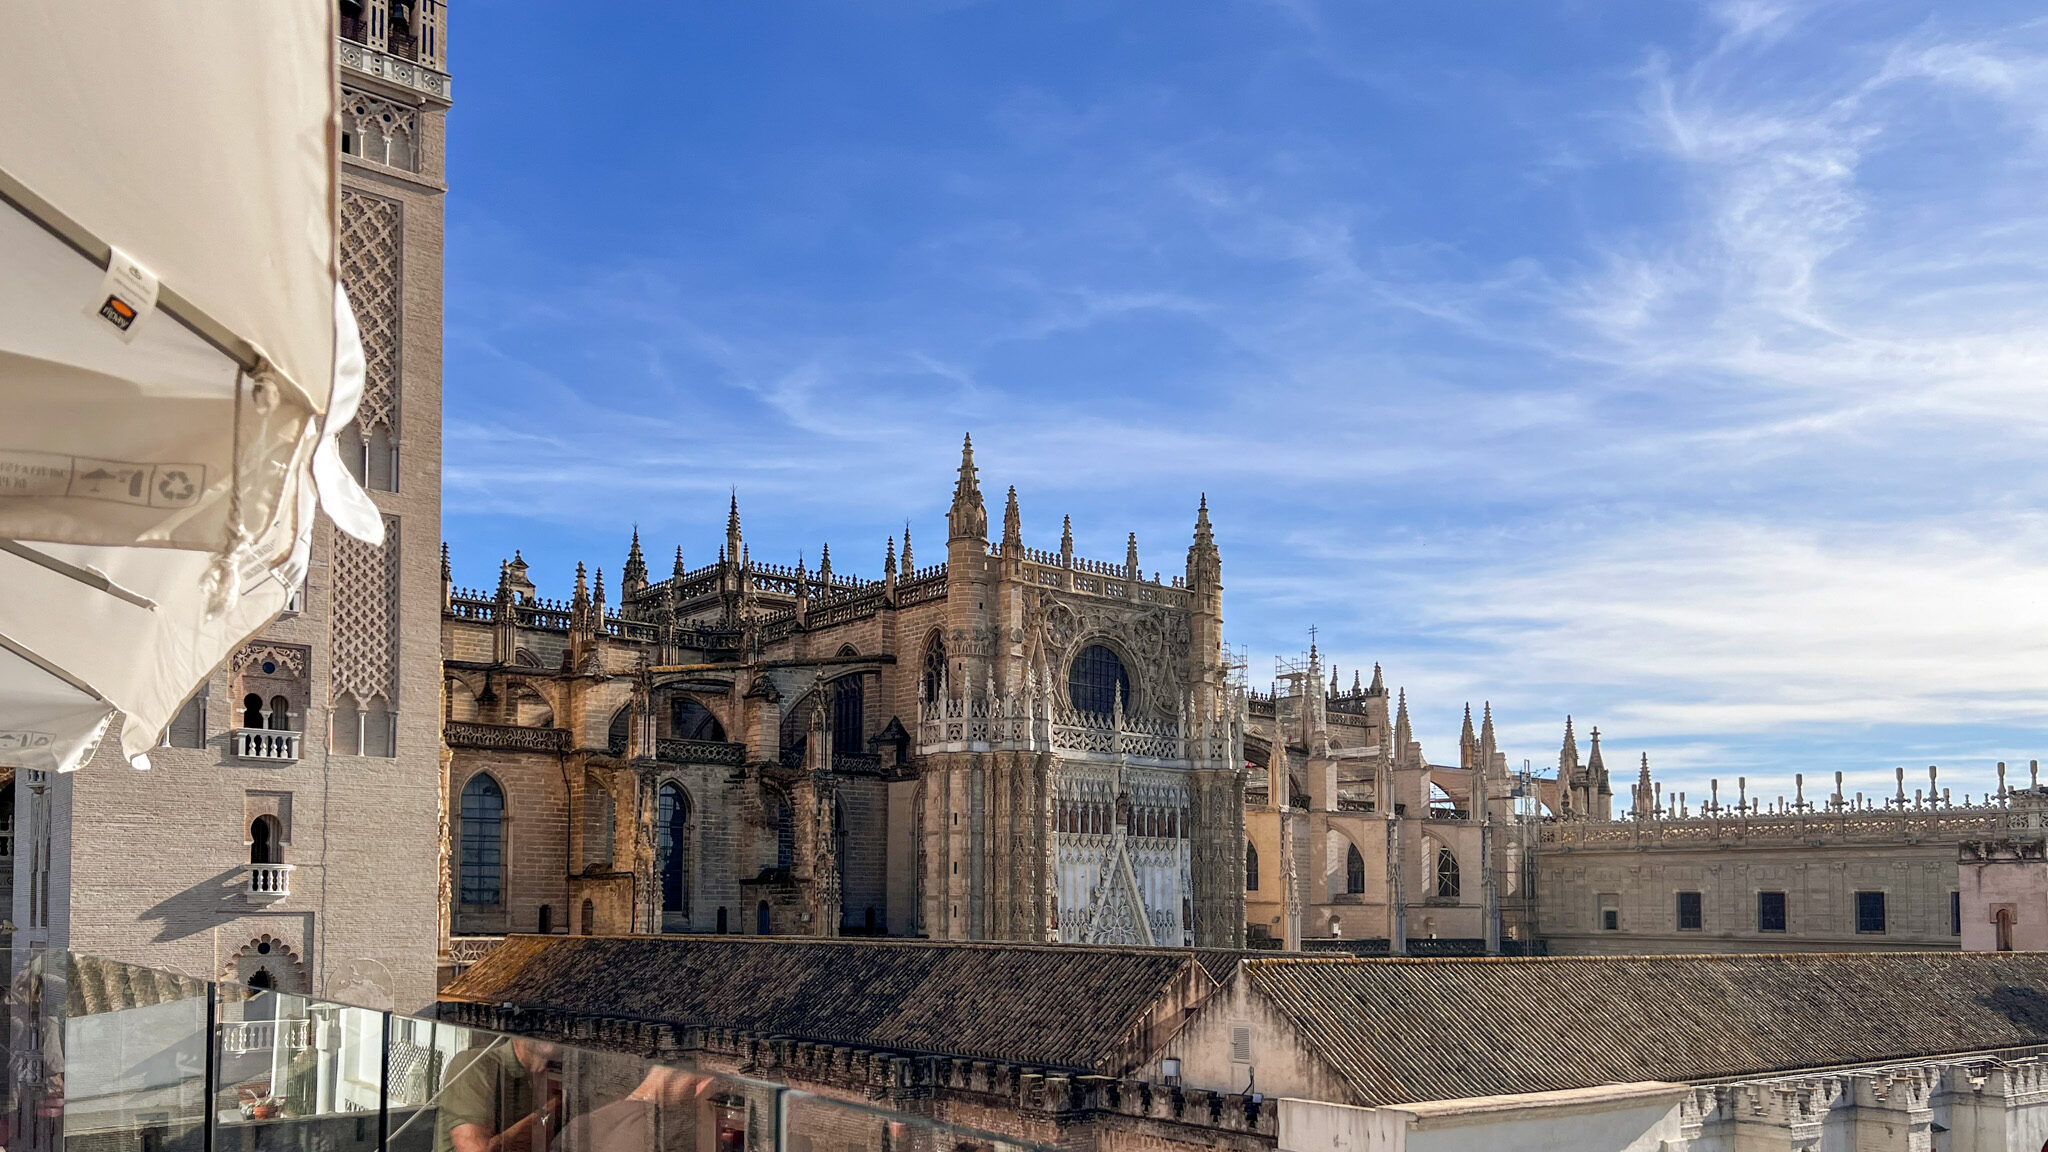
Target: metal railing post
point(384, 1082)
point(211, 1091)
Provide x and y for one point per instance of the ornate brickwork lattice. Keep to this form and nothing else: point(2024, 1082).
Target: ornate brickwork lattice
point(365, 619)
point(370, 240)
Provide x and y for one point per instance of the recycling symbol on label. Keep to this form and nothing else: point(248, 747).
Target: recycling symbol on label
point(175, 486)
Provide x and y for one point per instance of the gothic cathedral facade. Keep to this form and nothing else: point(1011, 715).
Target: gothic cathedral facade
point(1011, 744)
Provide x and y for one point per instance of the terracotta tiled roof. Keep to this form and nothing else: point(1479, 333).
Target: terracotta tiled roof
point(1407, 1030)
point(1050, 1006)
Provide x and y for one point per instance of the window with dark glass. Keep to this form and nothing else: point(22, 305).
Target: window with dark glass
point(1870, 911)
point(1098, 680)
point(1446, 874)
point(672, 816)
point(1251, 867)
point(934, 685)
point(1689, 912)
point(1610, 919)
point(1354, 871)
point(1770, 911)
point(1955, 913)
point(847, 734)
point(483, 842)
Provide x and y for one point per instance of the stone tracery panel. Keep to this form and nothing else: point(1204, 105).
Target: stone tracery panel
point(370, 253)
point(364, 623)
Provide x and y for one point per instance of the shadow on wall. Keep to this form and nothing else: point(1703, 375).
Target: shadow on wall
point(201, 907)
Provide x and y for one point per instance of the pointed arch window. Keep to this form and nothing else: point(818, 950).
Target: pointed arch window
point(1354, 871)
point(934, 682)
point(481, 869)
point(1098, 681)
point(689, 719)
point(1446, 874)
point(847, 703)
point(672, 818)
point(1251, 867)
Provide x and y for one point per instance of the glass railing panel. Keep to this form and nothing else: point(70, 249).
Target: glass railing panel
point(295, 1074)
point(813, 1123)
point(109, 1057)
point(128, 1064)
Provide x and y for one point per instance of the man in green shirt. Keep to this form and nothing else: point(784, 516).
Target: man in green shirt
point(488, 1099)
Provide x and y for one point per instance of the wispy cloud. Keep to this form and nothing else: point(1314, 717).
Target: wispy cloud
point(1680, 368)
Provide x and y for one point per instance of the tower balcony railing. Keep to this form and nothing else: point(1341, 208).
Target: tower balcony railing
point(268, 883)
point(270, 744)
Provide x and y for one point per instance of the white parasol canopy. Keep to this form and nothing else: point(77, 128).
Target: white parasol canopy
point(176, 355)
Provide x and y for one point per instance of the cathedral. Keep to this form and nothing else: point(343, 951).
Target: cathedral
point(1010, 744)
point(1016, 744)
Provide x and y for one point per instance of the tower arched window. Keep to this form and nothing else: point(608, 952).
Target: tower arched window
point(1098, 681)
point(280, 714)
point(480, 873)
point(934, 682)
point(672, 818)
point(1446, 874)
point(1354, 871)
point(252, 711)
point(1251, 867)
point(266, 841)
point(847, 734)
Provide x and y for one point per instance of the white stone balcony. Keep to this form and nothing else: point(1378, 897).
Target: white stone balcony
point(269, 744)
point(268, 883)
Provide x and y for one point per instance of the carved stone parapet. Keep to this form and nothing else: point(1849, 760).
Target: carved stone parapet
point(512, 737)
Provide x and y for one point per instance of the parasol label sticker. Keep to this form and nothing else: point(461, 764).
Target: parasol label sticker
point(81, 477)
point(126, 297)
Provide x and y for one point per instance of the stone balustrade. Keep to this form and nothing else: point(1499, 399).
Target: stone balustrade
point(267, 744)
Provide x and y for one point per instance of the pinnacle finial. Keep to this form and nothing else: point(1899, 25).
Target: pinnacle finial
point(1066, 533)
point(1013, 522)
point(968, 518)
point(679, 560)
point(1131, 553)
point(446, 571)
point(909, 566)
point(889, 560)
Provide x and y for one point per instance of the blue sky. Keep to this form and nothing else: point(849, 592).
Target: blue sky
point(1679, 367)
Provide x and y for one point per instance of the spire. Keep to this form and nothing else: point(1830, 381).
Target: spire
point(1568, 756)
point(582, 599)
point(598, 596)
point(1355, 689)
point(1131, 556)
point(968, 518)
point(1013, 526)
point(1596, 768)
point(889, 560)
point(1205, 567)
point(1336, 685)
point(909, 565)
point(504, 580)
point(732, 529)
point(825, 564)
point(635, 576)
point(677, 572)
point(1487, 743)
point(1466, 736)
point(447, 573)
point(1468, 742)
point(1067, 540)
point(1379, 682)
point(1645, 795)
point(1403, 734)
